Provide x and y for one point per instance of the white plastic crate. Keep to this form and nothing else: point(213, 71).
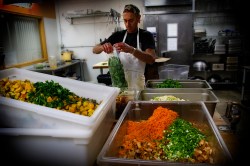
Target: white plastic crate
point(19, 114)
point(51, 147)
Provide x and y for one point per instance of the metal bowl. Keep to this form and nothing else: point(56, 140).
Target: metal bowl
point(200, 65)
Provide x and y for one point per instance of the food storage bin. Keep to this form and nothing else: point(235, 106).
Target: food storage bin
point(19, 114)
point(51, 147)
point(189, 94)
point(184, 83)
point(142, 110)
point(31, 134)
point(173, 71)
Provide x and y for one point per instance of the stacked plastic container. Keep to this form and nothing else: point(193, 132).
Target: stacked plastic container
point(33, 134)
point(173, 71)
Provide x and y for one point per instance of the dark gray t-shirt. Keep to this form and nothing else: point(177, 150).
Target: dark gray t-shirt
point(146, 39)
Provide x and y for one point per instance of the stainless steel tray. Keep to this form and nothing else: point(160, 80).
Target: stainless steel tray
point(188, 94)
point(195, 112)
point(184, 83)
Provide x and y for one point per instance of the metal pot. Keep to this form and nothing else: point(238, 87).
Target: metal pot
point(200, 65)
point(66, 55)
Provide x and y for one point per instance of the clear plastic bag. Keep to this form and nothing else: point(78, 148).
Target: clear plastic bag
point(116, 72)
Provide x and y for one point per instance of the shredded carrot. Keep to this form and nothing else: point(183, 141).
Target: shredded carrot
point(148, 131)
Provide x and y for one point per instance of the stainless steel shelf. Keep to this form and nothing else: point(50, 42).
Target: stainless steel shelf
point(112, 13)
point(63, 66)
point(70, 17)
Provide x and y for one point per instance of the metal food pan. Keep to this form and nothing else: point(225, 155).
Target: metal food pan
point(188, 94)
point(184, 83)
point(142, 110)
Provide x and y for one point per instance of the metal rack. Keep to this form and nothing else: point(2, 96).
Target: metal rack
point(112, 13)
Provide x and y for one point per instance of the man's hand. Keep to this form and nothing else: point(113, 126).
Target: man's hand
point(107, 47)
point(123, 47)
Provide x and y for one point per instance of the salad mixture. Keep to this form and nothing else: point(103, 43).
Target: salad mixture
point(166, 98)
point(165, 136)
point(49, 94)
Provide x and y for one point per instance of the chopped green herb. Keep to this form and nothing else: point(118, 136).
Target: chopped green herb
point(117, 72)
point(169, 83)
point(180, 140)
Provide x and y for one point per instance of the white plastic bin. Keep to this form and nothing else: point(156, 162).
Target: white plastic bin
point(53, 147)
point(36, 135)
point(19, 114)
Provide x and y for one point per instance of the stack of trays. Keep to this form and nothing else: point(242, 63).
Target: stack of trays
point(34, 134)
point(191, 90)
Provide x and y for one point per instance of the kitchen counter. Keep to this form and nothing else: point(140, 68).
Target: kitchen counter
point(53, 70)
point(61, 65)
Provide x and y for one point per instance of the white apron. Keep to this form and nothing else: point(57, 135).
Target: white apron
point(133, 68)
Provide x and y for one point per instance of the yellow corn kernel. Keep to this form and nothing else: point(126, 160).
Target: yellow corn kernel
point(72, 109)
point(17, 96)
point(85, 103)
point(91, 105)
point(85, 113)
point(90, 112)
point(28, 87)
point(18, 89)
point(78, 104)
point(23, 96)
point(73, 105)
point(49, 99)
point(17, 85)
point(81, 108)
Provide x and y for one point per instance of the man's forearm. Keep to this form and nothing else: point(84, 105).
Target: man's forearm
point(97, 49)
point(147, 56)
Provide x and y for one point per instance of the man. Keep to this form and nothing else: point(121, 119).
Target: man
point(136, 47)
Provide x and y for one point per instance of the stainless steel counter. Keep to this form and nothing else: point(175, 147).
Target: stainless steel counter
point(60, 66)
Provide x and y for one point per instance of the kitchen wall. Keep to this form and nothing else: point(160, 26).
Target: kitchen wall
point(84, 33)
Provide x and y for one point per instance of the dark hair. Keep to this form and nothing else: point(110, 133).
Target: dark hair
point(131, 8)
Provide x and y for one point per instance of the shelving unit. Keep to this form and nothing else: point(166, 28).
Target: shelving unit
point(71, 17)
point(223, 65)
point(216, 25)
point(112, 13)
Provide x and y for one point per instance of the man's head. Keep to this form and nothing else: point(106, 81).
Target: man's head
point(131, 17)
